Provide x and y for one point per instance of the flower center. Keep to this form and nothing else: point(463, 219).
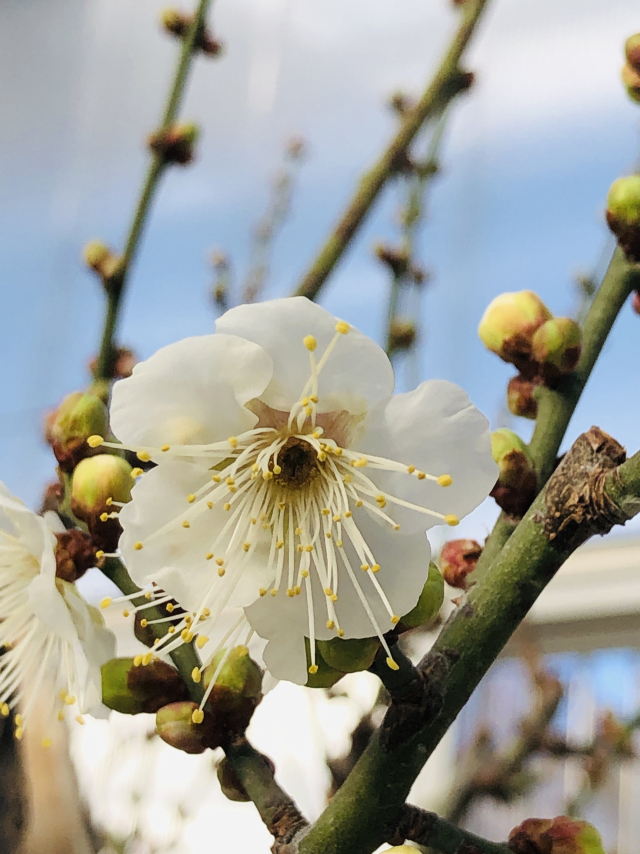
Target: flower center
point(298, 463)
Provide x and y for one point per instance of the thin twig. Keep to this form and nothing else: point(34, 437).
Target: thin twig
point(427, 828)
point(116, 284)
point(447, 82)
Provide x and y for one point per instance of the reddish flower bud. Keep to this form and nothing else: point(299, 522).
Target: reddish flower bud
point(178, 23)
point(508, 325)
point(632, 51)
point(175, 144)
point(520, 397)
point(517, 480)
point(402, 334)
point(458, 559)
point(75, 554)
point(175, 725)
point(561, 835)
point(396, 259)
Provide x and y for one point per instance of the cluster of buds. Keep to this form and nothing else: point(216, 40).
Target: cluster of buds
point(102, 260)
point(131, 686)
point(179, 23)
point(458, 559)
point(516, 486)
point(561, 835)
point(520, 329)
point(175, 144)
point(631, 67)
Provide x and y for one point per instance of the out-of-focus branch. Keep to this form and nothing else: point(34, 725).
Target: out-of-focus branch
point(117, 281)
point(427, 828)
point(13, 792)
point(447, 82)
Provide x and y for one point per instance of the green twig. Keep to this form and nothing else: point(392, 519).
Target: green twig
point(587, 494)
point(445, 85)
point(556, 406)
point(427, 828)
point(116, 283)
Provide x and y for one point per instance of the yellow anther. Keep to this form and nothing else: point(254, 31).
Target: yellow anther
point(137, 546)
point(109, 502)
point(328, 534)
point(375, 567)
point(144, 622)
point(186, 524)
point(305, 401)
point(216, 478)
point(364, 567)
point(170, 607)
point(227, 506)
point(188, 619)
point(60, 714)
point(80, 719)
point(280, 544)
point(358, 503)
point(210, 505)
point(19, 720)
point(263, 591)
point(191, 498)
point(297, 590)
point(221, 571)
point(305, 573)
point(19, 733)
point(148, 596)
point(334, 597)
point(277, 469)
point(233, 441)
point(206, 612)
point(95, 441)
point(452, 520)
point(348, 514)
point(46, 742)
point(445, 480)
point(165, 448)
point(136, 472)
point(4, 710)
point(421, 475)
point(242, 651)
point(291, 592)
point(273, 591)
point(300, 548)
point(282, 505)
point(196, 675)
point(137, 661)
point(186, 635)
point(125, 613)
point(308, 410)
point(220, 561)
point(69, 700)
point(340, 633)
point(298, 531)
point(156, 641)
point(172, 630)
point(395, 619)
point(393, 665)
point(337, 517)
point(313, 398)
point(267, 475)
point(328, 591)
point(325, 511)
point(147, 658)
point(143, 456)
point(343, 327)
point(313, 669)
point(339, 543)
point(396, 527)
point(411, 469)
point(62, 694)
point(99, 554)
point(104, 517)
point(106, 602)
point(310, 343)
point(348, 478)
point(230, 481)
point(197, 716)
point(331, 624)
point(308, 548)
point(209, 555)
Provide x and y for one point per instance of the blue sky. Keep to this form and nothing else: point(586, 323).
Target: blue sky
point(528, 158)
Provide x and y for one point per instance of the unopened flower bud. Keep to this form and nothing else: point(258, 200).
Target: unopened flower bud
point(130, 687)
point(97, 483)
point(51, 498)
point(401, 103)
point(520, 397)
point(517, 480)
point(349, 655)
point(237, 690)
point(556, 346)
point(178, 23)
point(430, 601)
point(458, 559)
point(561, 835)
point(508, 325)
point(79, 416)
point(631, 81)
point(75, 554)
point(175, 144)
point(175, 725)
point(397, 259)
point(632, 51)
point(402, 334)
point(99, 258)
point(623, 214)
point(124, 362)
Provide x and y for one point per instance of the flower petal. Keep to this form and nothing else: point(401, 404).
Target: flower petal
point(191, 392)
point(438, 430)
point(357, 374)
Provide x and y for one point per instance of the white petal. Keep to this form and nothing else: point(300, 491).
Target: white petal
point(190, 392)
point(438, 430)
point(50, 608)
point(357, 374)
point(18, 520)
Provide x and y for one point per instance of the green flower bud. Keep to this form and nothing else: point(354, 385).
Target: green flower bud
point(236, 693)
point(430, 601)
point(349, 655)
point(402, 334)
point(102, 260)
point(324, 676)
point(175, 725)
point(520, 397)
point(508, 324)
point(623, 212)
point(458, 559)
point(98, 481)
point(632, 51)
point(131, 687)
point(557, 345)
point(79, 416)
point(517, 480)
point(631, 81)
point(561, 835)
point(175, 144)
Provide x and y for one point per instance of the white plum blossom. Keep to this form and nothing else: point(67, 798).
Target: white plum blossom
point(289, 479)
point(53, 643)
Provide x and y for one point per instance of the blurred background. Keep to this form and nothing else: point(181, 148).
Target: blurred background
point(527, 156)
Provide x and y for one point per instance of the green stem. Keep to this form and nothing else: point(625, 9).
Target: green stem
point(556, 406)
point(555, 525)
point(445, 85)
point(116, 284)
point(427, 828)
